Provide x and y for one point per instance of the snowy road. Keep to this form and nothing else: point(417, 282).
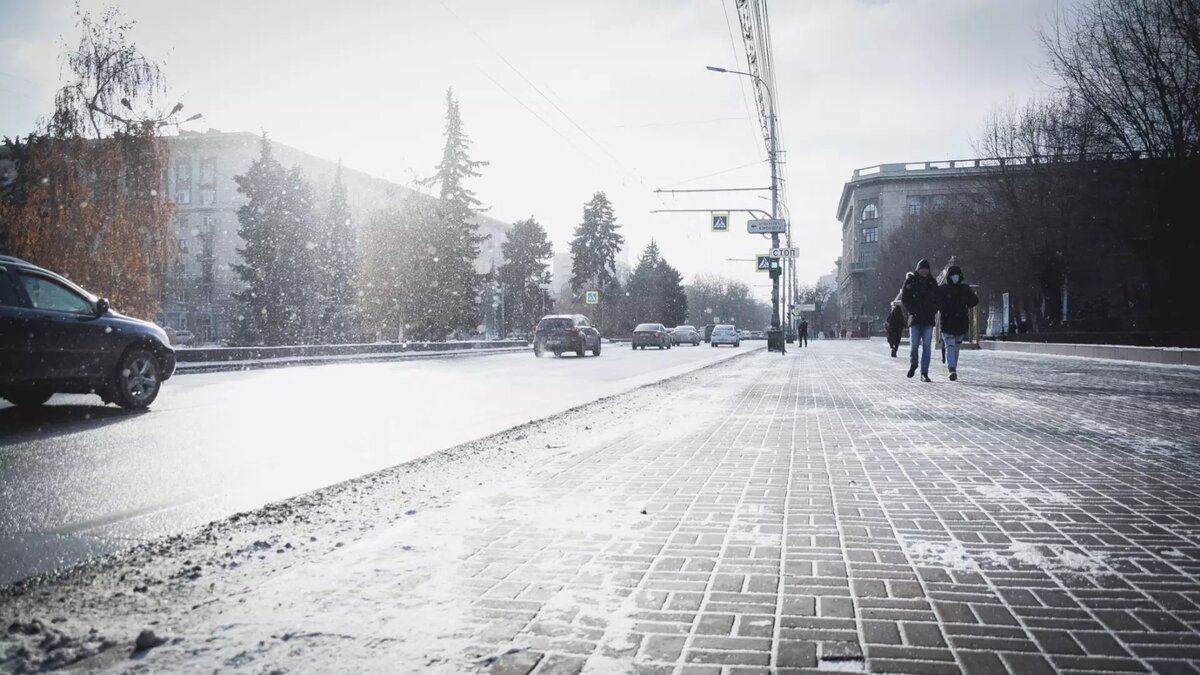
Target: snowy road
point(79, 480)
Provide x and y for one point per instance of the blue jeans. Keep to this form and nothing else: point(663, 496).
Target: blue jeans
point(918, 336)
point(953, 343)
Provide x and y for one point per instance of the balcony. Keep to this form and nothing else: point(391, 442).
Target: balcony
point(861, 267)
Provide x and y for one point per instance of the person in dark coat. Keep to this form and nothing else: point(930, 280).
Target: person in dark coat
point(895, 327)
point(803, 337)
point(955, 300)
point(920, 297)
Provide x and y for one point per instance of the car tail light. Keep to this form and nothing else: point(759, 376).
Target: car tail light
point(572, 330)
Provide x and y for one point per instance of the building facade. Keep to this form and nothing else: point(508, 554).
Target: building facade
point(200, 181)
point(874, 203)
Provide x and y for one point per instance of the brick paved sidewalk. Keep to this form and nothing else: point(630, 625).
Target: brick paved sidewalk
point(809, 513)
point(1041, 515)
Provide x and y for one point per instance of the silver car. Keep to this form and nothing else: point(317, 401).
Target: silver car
point(682, 334)
point(725, 334)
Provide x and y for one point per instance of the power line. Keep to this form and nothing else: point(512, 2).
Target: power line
point(733, 48)
point(527, 81)
point(716, 173)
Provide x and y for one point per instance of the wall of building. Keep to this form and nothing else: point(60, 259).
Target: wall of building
point(895, 191)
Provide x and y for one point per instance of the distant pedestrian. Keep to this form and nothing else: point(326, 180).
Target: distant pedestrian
point(955, 299)
point(803, 339)
point(920, 298)
point(895, 327)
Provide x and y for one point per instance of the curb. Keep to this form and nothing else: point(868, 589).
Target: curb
point(187, 368)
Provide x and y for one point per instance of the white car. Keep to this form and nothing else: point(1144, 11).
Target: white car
point(725, 335)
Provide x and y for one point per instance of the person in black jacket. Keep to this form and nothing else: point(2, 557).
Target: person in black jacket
point(955, 298)
point(895, 327)
point(920, 297)
point(802, 339)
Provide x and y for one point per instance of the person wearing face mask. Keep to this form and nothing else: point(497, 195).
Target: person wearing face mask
point(920, 299)
point(955, 298)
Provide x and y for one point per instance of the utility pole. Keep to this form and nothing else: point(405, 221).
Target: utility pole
point(773, 157)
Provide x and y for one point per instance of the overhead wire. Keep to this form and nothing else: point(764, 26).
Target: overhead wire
point(539, 92)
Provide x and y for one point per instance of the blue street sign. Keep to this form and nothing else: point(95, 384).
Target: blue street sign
point(720, 222)
point(762, 262)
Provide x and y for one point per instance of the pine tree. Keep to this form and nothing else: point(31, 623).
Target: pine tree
point(277, 268)
point(525, 271)
point(656, 292)
point(338, 264)
point(645, 287)
point(453, 238)
point(594, 250)
point(675, 303)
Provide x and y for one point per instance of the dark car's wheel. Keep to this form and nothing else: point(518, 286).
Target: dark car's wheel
point(28, 399)
point(139, 379)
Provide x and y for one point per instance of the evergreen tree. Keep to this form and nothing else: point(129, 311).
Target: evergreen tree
point(452, 240)
point(277, 268)
point(338, 265)
point(594, 250)
point(645, 287)
point(656, 291)
point(674, 309)
point(525, 271)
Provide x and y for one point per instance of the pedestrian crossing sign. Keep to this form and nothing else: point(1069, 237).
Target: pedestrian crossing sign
point(592, 297)
point(720, 222)
point(762, 262)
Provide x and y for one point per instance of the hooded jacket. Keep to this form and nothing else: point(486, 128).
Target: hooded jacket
point(920, 297)
point(955, 301)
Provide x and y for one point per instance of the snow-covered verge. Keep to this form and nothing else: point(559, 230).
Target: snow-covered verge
point(288, 583)
point(277, 362)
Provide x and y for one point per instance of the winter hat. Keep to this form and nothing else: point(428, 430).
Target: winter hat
point(955, 269)
point(923, 265)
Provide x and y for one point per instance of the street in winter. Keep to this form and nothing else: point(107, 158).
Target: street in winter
point(714, 337)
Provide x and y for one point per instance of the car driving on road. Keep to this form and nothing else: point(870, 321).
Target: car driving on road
point(687, 334)
point(725, 335)
point(565, 333)
point(56, 337)
point(651, 335)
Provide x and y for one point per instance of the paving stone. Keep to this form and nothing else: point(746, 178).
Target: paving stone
point(1039, 516)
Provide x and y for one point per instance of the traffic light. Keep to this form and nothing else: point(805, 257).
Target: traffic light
point(776, 269)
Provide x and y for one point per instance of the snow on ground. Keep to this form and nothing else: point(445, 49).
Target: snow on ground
point(955, 555)
point(1020, 494)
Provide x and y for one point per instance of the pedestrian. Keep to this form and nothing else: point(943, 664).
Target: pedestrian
point(895, 327)
point(920, 299)
point(955, 299)
point(803, 339)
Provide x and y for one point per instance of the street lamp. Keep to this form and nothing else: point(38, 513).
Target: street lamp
point(771, 154)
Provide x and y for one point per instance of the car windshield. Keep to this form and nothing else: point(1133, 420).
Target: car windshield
point(323, 338)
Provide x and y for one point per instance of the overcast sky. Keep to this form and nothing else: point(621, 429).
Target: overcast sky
point(860, 82)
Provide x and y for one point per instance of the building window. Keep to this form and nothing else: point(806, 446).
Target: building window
point(207, 197)
point(939, 201)
point(208, 172)
point(183, 196)
point(871, 235)
point(870, 211)
point(914, 205)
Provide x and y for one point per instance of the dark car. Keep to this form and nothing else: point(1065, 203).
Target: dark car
point(56, 337)
point(651, 335)
point(565, 333)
